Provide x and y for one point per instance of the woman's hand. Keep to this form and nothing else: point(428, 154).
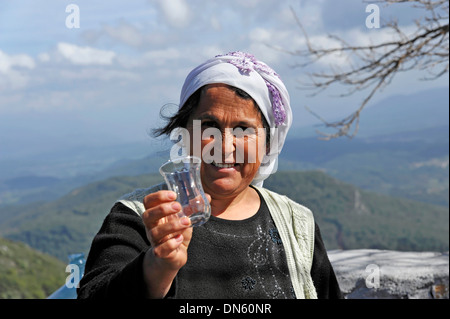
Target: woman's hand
point(169, 236)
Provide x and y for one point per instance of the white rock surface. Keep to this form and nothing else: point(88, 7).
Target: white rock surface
point(385, 274)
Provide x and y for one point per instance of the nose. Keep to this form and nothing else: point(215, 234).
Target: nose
point(228, 146)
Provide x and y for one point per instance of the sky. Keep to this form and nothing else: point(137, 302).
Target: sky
point(104, 80)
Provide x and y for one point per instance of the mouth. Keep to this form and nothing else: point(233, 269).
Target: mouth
point(224, 165)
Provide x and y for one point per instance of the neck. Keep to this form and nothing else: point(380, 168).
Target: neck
point(238, 207)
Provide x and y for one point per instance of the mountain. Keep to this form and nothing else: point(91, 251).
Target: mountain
point(412, 165)
point(29, 188)
point(410, 112)
point(349, 217)
point(394, 153)
point(393, 114)
point(407, 164)
point(68, 224)
point(26, 273)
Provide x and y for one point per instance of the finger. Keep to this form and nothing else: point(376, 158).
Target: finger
point(157, 198)
point(169, 247)
point(160, 214)
point(166, 231)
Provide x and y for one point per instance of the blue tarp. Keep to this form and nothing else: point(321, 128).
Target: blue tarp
point(75, 268)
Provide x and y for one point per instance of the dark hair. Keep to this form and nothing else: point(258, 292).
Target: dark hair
point(180, 118)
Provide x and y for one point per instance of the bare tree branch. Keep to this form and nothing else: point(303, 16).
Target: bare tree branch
point(374, 66)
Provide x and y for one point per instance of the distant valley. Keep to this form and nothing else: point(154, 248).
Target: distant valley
point(349, 217)
point(401, 149)
point(412, 165)
point(409, 164)
point(391, 159)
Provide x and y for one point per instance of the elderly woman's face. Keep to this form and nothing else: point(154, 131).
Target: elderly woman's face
point(222, 110)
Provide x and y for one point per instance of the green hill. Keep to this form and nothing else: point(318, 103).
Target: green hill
point(26, 273)
point(349, 217)
point(412, 165)
point(67, 225)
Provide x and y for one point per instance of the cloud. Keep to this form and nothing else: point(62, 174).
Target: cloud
point(176, 12)
point(8, 62)
point(13, 73)
point(358, 37)
point(125, 33)
point(215, 23)
point(161, 57)
point(44, 57)
point(260, 35)
point(365, 36)
point(98, 74)
point(85, 55)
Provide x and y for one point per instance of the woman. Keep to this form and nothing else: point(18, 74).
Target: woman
point(257, 244)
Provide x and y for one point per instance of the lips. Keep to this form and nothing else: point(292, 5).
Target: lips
point(224, 165)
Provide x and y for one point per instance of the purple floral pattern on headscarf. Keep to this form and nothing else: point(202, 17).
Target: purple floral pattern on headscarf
point(247, 63)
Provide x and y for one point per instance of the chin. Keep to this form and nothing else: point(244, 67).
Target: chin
point(219, 182)
point(221, 186)
point(224, 188)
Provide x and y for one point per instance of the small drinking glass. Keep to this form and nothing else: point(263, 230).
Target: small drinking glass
point(182, 175)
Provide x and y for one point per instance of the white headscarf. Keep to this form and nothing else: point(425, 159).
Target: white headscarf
point(257, 79)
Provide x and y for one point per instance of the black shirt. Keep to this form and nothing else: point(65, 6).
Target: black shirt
point(226, 259)
point(236, 259)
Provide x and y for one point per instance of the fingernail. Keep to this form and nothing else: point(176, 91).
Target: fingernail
point(176, 206)
point(185, 221)
point(179, 238)
point(172, 196)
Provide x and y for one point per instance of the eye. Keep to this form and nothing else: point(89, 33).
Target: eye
point(243, 131)
point(245, 128)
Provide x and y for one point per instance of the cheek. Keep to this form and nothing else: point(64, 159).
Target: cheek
point(208, 147)
point(250, 150)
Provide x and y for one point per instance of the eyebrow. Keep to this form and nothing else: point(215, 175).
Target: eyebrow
point(215, 119)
